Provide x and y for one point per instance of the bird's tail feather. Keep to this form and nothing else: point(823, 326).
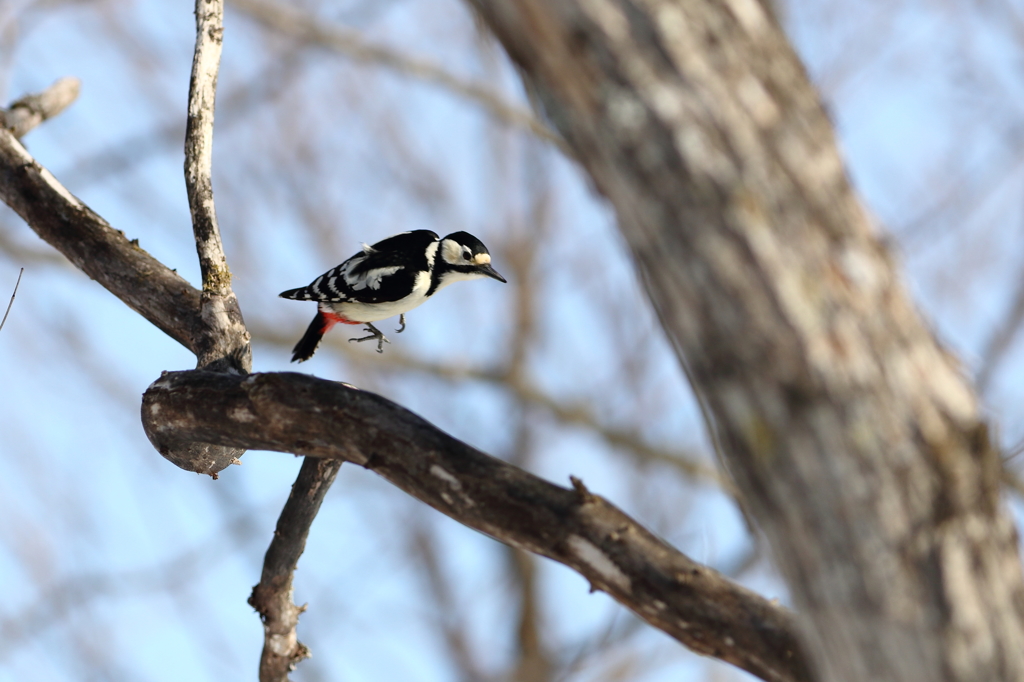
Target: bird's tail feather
point(307, 345)
point(300, 294)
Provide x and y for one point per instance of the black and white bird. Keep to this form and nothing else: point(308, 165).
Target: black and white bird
point(389, 278)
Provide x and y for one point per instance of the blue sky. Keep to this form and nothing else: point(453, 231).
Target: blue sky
point(116, 565)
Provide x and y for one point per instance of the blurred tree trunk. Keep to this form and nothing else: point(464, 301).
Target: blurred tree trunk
point(853, 436)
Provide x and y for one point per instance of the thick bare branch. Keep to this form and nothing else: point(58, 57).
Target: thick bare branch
point(272, 597)
point(145, 285)
point(852, 435)
point(302, 26)
point(297, 413)
point(31, 110)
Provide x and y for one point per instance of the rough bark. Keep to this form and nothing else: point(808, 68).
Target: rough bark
point(229, 348)
point(226, 348)
point(272, 597)
point(853, 436)
point(297, 413)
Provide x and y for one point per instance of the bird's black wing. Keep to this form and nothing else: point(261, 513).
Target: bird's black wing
point(413, 243)
point(387, 270)
point(380, 273)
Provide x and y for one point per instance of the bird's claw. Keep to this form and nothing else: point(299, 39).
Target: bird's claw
point(374, 334)
point(401, 321)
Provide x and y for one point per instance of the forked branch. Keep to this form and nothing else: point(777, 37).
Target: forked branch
point(297, 413)
point(226, 349)
point(290, 412)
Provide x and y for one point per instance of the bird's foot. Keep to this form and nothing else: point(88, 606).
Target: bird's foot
point(401, 321)
point(374, 334)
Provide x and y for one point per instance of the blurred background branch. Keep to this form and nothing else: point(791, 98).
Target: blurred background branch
point(316, 153)
point(311, 30)
point(26, 113)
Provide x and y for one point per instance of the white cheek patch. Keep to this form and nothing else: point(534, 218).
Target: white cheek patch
point(482, 258)
point(451, 251)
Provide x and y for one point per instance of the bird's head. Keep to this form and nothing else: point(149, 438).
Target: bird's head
point(463, 256)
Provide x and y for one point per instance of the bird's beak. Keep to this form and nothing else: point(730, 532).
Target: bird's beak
point(491, 272)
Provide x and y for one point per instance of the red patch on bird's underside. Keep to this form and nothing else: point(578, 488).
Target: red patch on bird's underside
point(331, 319)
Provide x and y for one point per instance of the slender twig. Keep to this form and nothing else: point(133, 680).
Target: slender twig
point(272, 597)
point(302, 26)
point(297, 413)
point(13, 294)
point(31, 110)
point(199, 145)
point(229, 350)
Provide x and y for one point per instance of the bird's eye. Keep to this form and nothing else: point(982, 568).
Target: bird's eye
point(466, 254)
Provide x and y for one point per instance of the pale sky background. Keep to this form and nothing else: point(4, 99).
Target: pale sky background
point(115, 565)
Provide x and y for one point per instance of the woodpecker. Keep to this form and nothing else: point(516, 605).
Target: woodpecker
point(389, 278)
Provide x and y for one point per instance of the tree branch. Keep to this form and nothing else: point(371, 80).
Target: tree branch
point(297, 413)
point(272, 597)
point(202, 96)
point(31, 110)
point(229, 350)
point(106, 255)
point(142, 282)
